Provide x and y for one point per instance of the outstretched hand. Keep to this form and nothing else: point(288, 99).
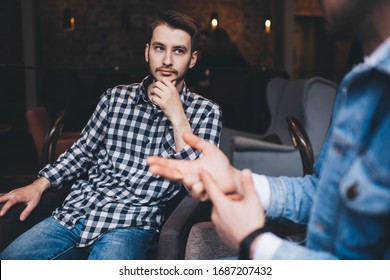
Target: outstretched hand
point(234, 218)
point(187, 172)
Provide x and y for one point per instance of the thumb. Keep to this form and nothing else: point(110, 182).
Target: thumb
point(195, 141)
point(247, 185)
point(207, 148)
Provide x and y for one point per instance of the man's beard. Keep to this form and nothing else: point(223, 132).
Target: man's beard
point(178, 77)
point(350, 21)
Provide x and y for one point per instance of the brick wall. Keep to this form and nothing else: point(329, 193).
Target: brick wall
point(100, 41)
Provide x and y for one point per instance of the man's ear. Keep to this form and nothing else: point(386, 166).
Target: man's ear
point(194, 59)
point(147, 52)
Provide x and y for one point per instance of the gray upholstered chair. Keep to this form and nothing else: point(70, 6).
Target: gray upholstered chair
point(310, 101)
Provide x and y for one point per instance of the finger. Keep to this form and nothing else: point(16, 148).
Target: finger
point(196, 142)
point(158, 92)
point(26, 212)
point(198, 191)
point(154, 161)
point(235, 196)
point(6, 207)
point(191, 179)
point(168, 168)
point(160, 87)
point(213, 191)
point(214, 216)
point(168, 82)
point(165, 171)
point(152, 98)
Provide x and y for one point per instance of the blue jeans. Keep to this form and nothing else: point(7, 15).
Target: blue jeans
point(49, 240)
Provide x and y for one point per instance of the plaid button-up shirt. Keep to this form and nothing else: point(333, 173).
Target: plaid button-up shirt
point(125, 128)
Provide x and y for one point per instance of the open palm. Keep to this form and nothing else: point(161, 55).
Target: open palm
point(188, 171)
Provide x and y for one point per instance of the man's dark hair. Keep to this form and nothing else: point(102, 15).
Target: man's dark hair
point(176, 20)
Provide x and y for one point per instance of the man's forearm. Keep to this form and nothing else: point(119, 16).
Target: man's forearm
point(179, 129)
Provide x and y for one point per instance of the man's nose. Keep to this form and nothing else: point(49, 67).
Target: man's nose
point(167, 59)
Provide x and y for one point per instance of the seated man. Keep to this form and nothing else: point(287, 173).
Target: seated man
point(117, 211)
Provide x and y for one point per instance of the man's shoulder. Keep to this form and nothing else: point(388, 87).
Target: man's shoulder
point(195, 98)
point(123, 91)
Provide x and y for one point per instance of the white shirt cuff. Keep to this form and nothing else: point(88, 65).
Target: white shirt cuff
point(263, 189)
point(266, 246)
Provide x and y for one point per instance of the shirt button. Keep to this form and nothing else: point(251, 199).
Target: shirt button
point(353, 191)
point(147, 141)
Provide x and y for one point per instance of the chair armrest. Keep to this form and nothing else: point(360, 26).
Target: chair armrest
point(174, 233)
point(265, 158)
point(249, 144)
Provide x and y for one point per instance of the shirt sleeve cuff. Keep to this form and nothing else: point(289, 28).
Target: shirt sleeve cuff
point(266, 246)
point(263, 189)
point(52, 175)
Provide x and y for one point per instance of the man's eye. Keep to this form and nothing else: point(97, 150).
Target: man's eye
point(179, 51)
point(158, 48)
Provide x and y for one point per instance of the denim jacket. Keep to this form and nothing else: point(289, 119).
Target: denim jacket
point(346, 203)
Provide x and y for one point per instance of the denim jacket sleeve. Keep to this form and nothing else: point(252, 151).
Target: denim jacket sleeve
point(291, 198)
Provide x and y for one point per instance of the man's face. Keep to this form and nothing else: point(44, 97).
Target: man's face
point(345, 18)
point(169, 54)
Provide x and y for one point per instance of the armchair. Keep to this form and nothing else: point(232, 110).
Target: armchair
point(310, 101)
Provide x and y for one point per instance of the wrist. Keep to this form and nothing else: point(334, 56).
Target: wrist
point(246, 245)
point(180, 121)
point(42, 184)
